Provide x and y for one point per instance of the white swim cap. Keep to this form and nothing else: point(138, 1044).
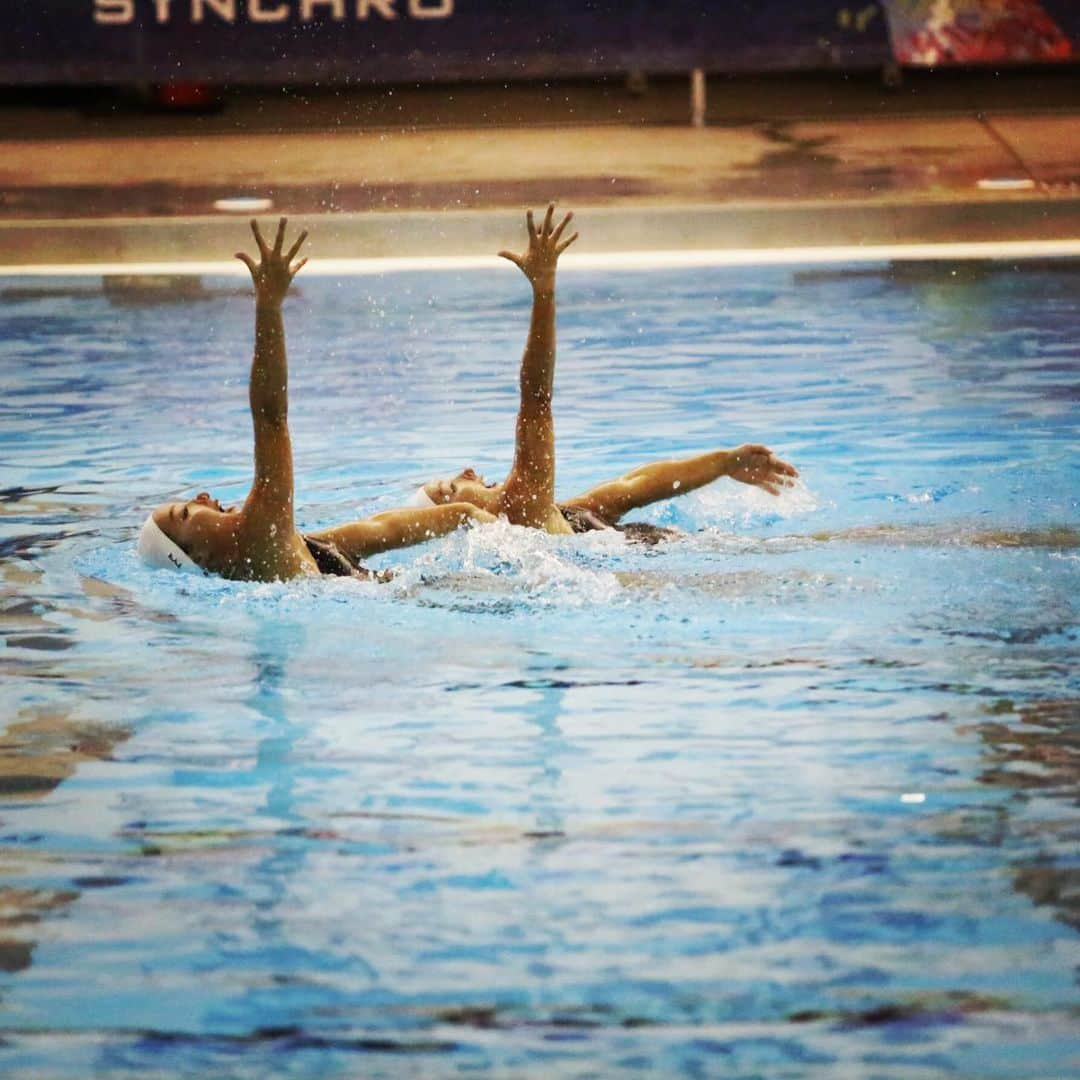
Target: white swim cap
point(421, 499)
point(157, 549)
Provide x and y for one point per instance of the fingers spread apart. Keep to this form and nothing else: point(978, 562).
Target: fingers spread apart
point(263, 249)
point(273, 266)
point(546, 243)
point(548, 229)
point(297, 246)
point(280, 238)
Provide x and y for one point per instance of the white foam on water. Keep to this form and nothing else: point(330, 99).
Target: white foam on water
point(735, 506)
point(500, 559)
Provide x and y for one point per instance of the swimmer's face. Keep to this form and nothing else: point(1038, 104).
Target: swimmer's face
point(196, 525)
point(468, 487)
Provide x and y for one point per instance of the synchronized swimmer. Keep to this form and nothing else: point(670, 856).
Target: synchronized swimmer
point(258, 540)
point(527, 495)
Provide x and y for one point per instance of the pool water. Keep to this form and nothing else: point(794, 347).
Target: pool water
point(793, 794)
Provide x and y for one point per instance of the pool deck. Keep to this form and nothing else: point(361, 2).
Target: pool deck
point(435, 172)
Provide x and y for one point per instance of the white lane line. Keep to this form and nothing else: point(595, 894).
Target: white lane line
point(613, 260)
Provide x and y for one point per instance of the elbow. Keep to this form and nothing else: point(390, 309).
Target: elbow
point(463, 513)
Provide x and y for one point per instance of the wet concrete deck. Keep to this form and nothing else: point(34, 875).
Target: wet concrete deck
point(419, 171)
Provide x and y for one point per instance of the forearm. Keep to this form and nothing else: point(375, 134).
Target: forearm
point(393, 529)
point(681, 475)
point(534, 441)
point(268, 390)
point(405, 527)
point(652, 483)
point(538, 361)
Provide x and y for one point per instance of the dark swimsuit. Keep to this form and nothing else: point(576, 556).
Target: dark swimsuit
point(331, 562)
point(582, 521)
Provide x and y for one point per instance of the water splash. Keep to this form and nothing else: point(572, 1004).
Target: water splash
point(533, 566)
point(735, 507)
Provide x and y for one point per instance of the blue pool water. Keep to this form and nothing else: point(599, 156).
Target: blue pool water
point(792, 795)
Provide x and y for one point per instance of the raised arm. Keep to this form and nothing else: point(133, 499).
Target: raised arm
point(393, 529)
point(528, 496)
point(269, 505)
point(751, 463)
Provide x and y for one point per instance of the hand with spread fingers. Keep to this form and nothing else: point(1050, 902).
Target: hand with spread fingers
point(755, 464)
point(274, 273)
point(545, 247)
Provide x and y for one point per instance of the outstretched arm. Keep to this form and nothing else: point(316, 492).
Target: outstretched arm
point(269, 505)
point(529, 491)
point(394, 529)
point(749, 464)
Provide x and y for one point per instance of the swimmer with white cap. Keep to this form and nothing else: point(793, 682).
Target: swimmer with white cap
point(527, 495)
point(258, 541)
point(156, 549)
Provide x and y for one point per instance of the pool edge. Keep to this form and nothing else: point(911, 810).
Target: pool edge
point(627, 235)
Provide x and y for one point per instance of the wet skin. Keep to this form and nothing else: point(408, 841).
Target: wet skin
point(258, 541)
point(527, 496)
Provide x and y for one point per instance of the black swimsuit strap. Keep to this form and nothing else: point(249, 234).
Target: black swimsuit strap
point(330, 561)
point(582, 521)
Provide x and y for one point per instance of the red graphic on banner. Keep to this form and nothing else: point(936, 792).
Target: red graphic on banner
point(926, 33)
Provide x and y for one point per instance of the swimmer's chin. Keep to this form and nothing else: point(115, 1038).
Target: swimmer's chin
point(466, 489)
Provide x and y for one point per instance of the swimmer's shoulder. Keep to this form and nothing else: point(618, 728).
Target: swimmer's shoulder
point(261, 555)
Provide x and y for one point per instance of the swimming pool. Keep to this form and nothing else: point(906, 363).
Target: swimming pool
point(791, 795)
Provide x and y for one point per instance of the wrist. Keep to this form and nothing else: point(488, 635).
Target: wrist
point(545, 282)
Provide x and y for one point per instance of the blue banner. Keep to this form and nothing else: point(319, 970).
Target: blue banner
point(293, 42)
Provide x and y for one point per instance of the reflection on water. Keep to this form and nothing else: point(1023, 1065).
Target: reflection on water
point(1062, 537)
point(1036, 747)
point(127, 290)
point(40, 748)
point(38, 752)
point(20, 912)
